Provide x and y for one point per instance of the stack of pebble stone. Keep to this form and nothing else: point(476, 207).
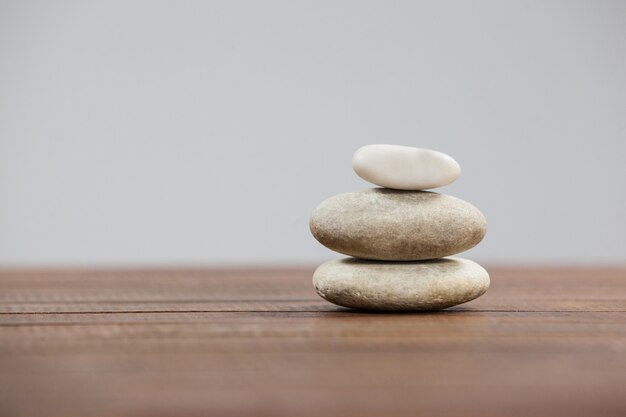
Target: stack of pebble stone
point(399, 236)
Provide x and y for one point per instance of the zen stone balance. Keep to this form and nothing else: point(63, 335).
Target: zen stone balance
point(398, 237)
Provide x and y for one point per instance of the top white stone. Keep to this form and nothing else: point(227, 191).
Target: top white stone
point(404, 167)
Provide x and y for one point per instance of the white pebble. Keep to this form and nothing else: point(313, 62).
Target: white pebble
point(405, 167)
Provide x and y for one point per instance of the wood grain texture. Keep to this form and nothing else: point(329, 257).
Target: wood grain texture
point(541, 342)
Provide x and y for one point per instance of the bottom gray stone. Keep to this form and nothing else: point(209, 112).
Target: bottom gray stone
point(400, 286)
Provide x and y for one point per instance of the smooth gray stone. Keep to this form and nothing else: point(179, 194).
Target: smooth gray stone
point(395, 225)
point(398, 286)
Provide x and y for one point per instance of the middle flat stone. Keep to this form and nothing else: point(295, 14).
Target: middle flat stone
point(394, 225)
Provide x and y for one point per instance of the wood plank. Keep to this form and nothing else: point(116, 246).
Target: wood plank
point(545, 342)
point(250, 290)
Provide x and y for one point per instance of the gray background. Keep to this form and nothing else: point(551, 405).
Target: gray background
point(156, 133)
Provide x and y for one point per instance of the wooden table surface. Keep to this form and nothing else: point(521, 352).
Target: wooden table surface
point(541, 342)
